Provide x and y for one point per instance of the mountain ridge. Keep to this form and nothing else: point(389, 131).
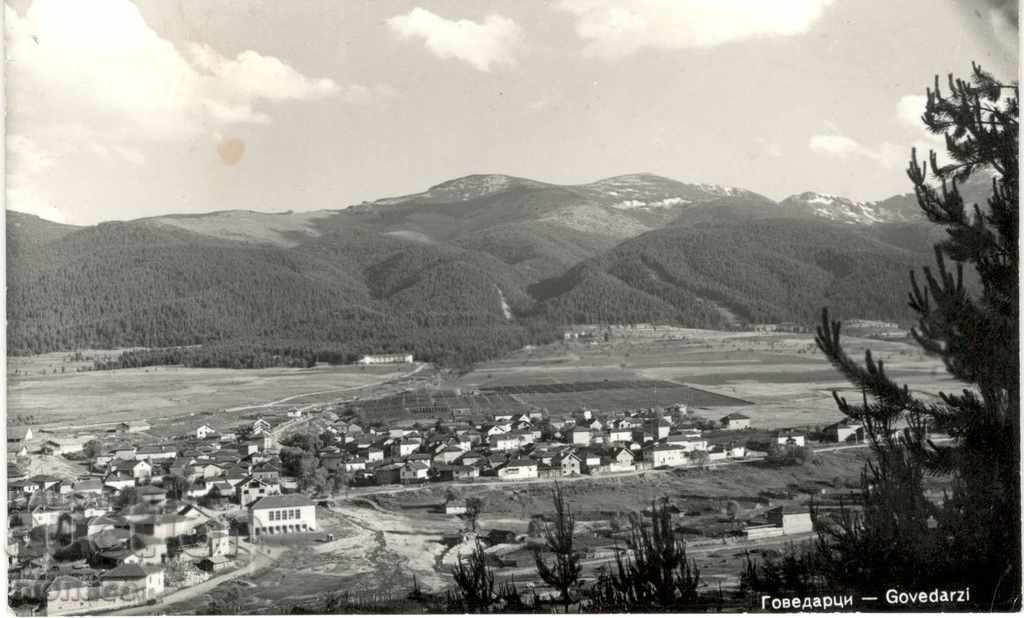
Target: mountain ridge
point(472, 268)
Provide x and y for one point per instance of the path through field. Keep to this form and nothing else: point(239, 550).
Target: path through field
point(278, 402)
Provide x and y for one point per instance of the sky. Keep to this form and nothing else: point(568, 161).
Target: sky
point(120, 110)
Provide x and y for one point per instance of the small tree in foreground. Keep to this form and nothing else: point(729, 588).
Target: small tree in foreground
point(474, 590)
point(653, 575)
point(564, 572)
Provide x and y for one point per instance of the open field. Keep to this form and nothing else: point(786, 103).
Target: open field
point(159, 392)
point(556, 398)
point(779, 379)
point(785, 378)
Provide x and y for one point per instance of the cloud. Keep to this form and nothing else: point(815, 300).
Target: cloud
point(492, 42)
point(92, 78)
point(251, 76)
point(909, 110)
point(617, 28)
point(837, 145)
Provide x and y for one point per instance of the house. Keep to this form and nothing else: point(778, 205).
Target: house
point(414, 472)
point(252, 489)
point(139, 470)
point(44, 481)
point(736, 451)
point(504, 442)
point(448, 454)
point(569, 464)
point(622, 460)
point(385, 359)
point(518, 470)
point(457, 472)
point(61, 446)
point(149, 494)
point(119, 480)
point(453, 508)
point(389, 474)
point(620, 434)
point(282, 514)
point(789, 438)
point(17, 437)
point(204, 431)
point(219, 541)
point(88, 486)
point(687, 443)
point(846, 430)
point(142, 582)
point(735, 421)
point(156, 452)
point(404, 447)
point(163, 526)
point(260, 426)
point(659, 428)
point(374, 453)
point(792, 521)
point(125, 452)
point(665, 455)
point(580, 435)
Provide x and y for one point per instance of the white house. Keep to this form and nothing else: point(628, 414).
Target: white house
point(581, 435)
point(686, 443)
point(789, 438)
point(204, 431)
point(792, 522)
point(156, 452)
point(622, 461)
point(385, 359)
point(518, 470)
point(414, 472)
point(735, 421)
point(665, 455)
point(250, 490)
point(282, 514)
point(846, 430)
point(504, 442)
point(620, 434)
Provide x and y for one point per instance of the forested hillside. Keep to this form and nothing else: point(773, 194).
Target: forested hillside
point(761, 271)
point(465, 271)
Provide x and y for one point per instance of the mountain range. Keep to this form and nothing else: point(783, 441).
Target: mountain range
point(463, 271)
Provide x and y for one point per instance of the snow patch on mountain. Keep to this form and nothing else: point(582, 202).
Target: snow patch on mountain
point(668, 202)
point(844, 210)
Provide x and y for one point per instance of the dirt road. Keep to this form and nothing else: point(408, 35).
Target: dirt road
point(278, 402)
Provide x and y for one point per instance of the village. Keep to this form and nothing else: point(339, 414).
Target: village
point(148, 516)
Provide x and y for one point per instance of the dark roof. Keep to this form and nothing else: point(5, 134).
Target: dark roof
point(274, 502)
point(150, 490)
point(735, 416)
point(17, 433)
point(125, 571)
point(88, 484)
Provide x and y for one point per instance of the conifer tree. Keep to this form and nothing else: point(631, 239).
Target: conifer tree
point(973, 537)
point(559, 539)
